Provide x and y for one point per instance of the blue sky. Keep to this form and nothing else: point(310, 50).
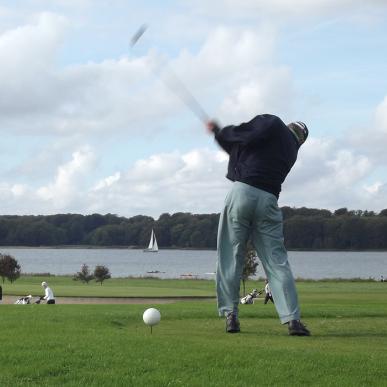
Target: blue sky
point(86, 126)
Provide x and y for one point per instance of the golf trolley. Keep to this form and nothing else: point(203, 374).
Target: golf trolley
point(249, 299)
point(28, 300)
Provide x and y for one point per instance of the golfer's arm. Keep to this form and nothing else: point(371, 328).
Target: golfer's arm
point(222, 140)
point(244, 134)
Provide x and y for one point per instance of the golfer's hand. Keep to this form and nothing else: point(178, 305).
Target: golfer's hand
point(212, 127)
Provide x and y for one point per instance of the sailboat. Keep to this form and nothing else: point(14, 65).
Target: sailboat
point(152, 247)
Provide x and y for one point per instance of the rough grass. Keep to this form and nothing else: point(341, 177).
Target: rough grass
point(108, 345)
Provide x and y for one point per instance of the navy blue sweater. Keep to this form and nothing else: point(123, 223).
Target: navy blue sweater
point(262, 152)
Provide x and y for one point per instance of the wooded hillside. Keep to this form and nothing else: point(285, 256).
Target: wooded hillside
point(304, 228)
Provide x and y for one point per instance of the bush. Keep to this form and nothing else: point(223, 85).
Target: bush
point(84, 275)
point(101, 273)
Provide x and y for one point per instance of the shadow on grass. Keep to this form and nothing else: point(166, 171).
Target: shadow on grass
point(118, 324)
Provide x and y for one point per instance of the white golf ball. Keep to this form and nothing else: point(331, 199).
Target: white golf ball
point(151, 317)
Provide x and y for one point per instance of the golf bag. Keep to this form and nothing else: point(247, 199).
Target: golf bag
point(28, 300)
point(249, 299)
point(24, 300)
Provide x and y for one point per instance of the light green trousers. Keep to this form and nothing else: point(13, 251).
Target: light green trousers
point(251, 212)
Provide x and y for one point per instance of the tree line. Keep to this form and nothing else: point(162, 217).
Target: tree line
point(304, 228)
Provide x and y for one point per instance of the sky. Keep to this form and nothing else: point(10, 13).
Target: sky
point(88, 123)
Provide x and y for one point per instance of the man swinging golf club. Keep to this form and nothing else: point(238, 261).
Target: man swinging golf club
point(261, 154)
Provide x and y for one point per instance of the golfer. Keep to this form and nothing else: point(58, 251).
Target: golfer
point(48, 294)
point(261, 154)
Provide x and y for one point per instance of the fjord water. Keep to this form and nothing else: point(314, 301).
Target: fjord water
point(192, 263)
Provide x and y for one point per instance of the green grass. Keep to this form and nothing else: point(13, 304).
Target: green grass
point(115, 287)
point(64, 286)
point(108, 345)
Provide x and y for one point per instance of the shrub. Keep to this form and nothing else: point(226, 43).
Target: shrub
point(101, 273)
point(84, 275)
point(9, 268)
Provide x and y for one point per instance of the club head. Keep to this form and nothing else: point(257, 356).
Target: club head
point(138, 35)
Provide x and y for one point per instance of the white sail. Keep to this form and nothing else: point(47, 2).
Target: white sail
point(150, 246)
point(153, 247)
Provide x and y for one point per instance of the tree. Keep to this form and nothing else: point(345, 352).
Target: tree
point(341, 212)
point(109, 235)
point(249, 268)
point(383, 212)
point(9, 268)
point(84, 275)
point(101, 273)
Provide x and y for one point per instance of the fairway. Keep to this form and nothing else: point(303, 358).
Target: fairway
point(65, 286)
point(106, 345)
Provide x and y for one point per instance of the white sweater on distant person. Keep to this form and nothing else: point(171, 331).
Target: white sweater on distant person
point(49, 295)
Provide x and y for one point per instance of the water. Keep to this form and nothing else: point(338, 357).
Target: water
point(198, 263)
point(333, 264)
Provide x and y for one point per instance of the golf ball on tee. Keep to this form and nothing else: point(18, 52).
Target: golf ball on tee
point(151, 317)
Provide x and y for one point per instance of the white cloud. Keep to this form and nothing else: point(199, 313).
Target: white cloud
point(28, 53)
point(193, 181)
point(267, 90)
point(19, 190)
point(325, 176)
point(373, 188)
point(157, 167)
point(372, 139)
point(348, 168)
point(115, 95)
point(329, 176)
point(288, 10)
point(232, 69)
point(118, 95)
point(39, 97)
point(235, 69)
point(381, 117)
point(69, 180)
point(74, 4)
point(108, 181)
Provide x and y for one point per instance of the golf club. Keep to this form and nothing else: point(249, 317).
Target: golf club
point(138, 35)
point(174, 83)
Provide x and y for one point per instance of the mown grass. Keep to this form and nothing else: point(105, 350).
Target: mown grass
point(64, 286)
point(108, 345)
